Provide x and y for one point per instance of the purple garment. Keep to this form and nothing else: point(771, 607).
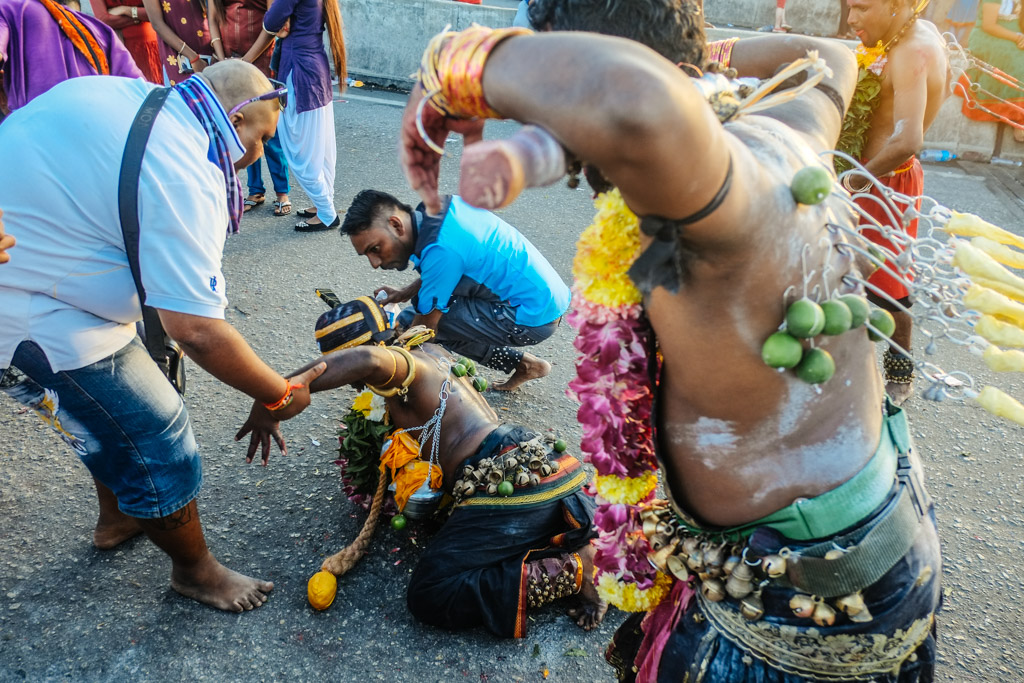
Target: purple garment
point(36, 55)
point(303, 55)
point(188, 20)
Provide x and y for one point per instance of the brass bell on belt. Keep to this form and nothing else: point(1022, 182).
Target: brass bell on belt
point(730, 564)
point(737, 586)
point(714, 557)
point(802, 605)
point(677, 568)
point(712, 590)
point(660, 558)
point(650, 527)
point(774, 566)
point(852, 604)
point(824, 615)
point(751, 607)
point(861, 617)
point(690, 545)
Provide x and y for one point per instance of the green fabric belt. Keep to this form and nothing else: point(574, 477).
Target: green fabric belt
point(844, 506)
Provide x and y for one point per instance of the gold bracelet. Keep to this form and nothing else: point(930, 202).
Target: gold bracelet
point(404, 388)
point(452, 68)
point(214, 40)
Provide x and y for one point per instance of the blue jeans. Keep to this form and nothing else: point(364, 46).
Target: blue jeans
point(480, 326)
point(122, 418)
point(277, 164)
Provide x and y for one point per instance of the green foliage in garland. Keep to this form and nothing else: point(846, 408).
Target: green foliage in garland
point(858, 117)
point(360, 445)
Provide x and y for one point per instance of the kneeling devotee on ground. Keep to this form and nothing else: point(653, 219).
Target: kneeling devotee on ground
point(496, 555)
point(69, 304)
point(807, 497)
point(483, 286)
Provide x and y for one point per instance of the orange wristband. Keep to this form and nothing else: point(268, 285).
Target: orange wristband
point(284, 400)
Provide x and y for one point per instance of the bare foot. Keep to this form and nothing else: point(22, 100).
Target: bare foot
point(212, 583)
point(111, 531)
point(591, 608)
point(1018, 135)
point(899, 393)
point(530, 367)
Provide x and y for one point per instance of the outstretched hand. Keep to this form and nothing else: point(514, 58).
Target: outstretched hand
point(265, 424)
point(421, 164)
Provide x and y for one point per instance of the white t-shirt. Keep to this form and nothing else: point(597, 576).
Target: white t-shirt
point(68, 286)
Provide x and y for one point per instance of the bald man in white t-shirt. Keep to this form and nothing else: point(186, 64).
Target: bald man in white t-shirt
point(69, 305)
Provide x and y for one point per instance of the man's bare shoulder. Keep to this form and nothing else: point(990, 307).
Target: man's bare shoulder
point(922, 45)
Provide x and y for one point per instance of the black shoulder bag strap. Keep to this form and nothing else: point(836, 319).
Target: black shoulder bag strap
point(128, 208)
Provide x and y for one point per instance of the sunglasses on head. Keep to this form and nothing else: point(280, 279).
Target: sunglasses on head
point(280, 93)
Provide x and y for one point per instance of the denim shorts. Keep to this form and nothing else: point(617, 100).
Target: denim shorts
point(122, 418)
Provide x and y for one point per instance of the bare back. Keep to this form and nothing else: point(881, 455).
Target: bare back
point(920, 58)
point(468, 418)
point(740, 439)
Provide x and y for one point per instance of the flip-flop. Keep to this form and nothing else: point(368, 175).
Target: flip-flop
point(282, 208)
point(306, 213)
point(249, 202)
point(303, 226)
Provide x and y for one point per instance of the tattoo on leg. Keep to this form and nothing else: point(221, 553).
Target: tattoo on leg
point(175, 520)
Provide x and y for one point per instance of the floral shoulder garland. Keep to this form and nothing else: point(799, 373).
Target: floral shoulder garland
point(870, 64)
point(615, 394)
point(360, 439)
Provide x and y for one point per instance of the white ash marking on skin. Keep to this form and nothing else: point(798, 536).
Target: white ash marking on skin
point(708, 436)
point(762, 474)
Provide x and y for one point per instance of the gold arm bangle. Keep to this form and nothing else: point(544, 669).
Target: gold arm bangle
point(409, 378)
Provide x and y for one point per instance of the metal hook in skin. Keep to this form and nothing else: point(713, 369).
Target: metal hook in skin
point(803, 268)
point(419, 123)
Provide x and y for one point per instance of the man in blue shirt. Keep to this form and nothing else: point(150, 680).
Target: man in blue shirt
point(483, 286)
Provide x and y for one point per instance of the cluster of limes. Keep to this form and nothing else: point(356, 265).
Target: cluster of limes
point(467, 367)
point(806, 318)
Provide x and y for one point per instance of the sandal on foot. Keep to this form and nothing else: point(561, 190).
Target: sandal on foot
point(306, 213)
point(303, 226)
point(253, 200)
point(282, 208)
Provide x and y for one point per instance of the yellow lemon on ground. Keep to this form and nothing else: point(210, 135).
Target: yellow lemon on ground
point(321, 589)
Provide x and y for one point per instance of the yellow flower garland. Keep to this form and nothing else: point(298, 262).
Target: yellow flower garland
point(629, 491)
point(628, 598)
point(605, 251)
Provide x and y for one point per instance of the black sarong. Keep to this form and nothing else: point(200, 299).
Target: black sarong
point(472, 573)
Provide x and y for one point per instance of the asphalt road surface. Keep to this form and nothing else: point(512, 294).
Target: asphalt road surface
point(70, 612)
